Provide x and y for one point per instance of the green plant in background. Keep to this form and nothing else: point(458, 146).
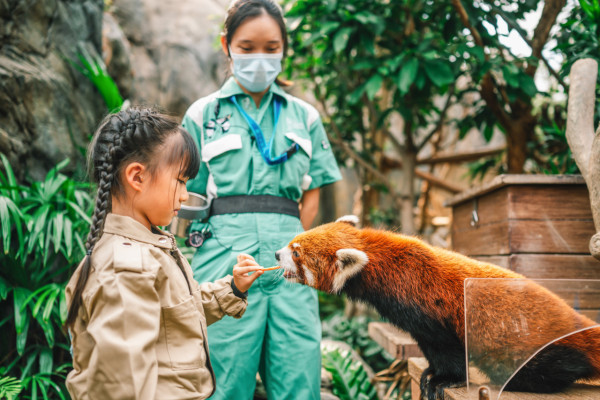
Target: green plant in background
point(349, 378)
point(354, 331)
point(92, 66)
point(44, 226)
point(9, 387)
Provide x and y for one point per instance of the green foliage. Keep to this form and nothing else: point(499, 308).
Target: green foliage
point(42, 238)
point(355, 333)
point(349, 379)
point(329, 304)
point(92, 66)
point(9, 387)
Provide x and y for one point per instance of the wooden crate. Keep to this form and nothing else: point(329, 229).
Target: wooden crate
point(536, 225)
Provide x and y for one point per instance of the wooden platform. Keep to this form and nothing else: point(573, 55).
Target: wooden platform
point(396, 342)
point(416, 366)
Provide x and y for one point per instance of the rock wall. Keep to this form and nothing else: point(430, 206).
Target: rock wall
point(48, 109)
point(174, 54)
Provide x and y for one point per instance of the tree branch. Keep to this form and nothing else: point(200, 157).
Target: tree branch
point(464, 17)
point(541, 32)
point(440, 121)
point(487, 93)
point(523, 35)
point(460, 157)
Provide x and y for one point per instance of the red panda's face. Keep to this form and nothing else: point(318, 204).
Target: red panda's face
point(324, 257)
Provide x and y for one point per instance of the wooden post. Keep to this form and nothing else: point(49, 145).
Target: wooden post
point(584, 144)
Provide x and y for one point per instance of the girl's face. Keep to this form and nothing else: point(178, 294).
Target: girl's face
point(259, 34)
point(160, 199)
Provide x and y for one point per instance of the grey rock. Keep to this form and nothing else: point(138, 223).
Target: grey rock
point(175, 52)
point(48, 107)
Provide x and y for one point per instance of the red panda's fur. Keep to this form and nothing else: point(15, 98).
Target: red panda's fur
point(420, 288)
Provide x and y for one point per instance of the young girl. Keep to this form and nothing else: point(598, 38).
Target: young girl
point(137, 317)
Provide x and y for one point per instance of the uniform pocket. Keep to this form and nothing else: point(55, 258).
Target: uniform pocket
point(295, 170)
point(183, 336)
point(228, 158)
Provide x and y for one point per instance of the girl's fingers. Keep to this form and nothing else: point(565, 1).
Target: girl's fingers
point(241, 257)
point(246, 269)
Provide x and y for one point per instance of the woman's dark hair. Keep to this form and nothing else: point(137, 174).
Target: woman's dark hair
point(133, 135)
point(240, 10)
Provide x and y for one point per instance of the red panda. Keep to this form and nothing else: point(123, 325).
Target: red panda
point(419, 288)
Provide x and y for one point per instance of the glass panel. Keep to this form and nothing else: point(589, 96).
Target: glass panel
point(517, 328)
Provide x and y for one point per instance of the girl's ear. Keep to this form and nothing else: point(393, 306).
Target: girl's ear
point(135, 176)
point(225, 45)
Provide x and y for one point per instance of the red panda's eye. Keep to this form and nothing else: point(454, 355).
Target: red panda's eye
point(295, 253)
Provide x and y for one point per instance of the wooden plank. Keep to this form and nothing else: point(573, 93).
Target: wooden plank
point(399, 344)
point(552, 266)
point(513, 179)
point(579, 391)
point(549, 202)
point(490, 208)
point(489, 239)
point(501, 261)
point(551, 236)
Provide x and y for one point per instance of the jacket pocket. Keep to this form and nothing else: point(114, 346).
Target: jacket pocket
point(183, 336)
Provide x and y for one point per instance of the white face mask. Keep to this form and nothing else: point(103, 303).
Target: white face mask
point(256, 71)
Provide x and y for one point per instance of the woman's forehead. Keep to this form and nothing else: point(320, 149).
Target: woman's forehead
point(263, 28)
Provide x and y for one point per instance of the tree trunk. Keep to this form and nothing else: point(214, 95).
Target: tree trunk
point(518, 133)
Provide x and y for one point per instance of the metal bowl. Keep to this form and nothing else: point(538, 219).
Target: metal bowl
point(196, 208)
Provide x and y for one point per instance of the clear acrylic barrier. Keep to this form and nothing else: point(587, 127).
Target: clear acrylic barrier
point(512, 324)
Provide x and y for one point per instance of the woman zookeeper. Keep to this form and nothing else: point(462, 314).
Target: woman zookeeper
point(264, 156)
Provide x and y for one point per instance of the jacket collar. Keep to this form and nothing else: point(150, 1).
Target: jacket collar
point(130, 228)
point(231, 88)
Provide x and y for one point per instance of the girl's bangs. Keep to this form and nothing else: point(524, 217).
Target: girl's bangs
point(184, 153)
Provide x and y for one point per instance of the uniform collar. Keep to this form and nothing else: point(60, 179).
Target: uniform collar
point(130, 228)
point(231, 88)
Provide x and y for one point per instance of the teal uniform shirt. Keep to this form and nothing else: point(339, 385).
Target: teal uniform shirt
point(280, 330)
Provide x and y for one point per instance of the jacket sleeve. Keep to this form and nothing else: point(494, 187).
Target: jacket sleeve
point(124, 322)
point(217, 300)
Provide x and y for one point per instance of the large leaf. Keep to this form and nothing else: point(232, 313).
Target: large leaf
point(407, 75)
point(439, 72)
point(340, 40)
point(20, 296)
point(9, 180)
point(373, 85)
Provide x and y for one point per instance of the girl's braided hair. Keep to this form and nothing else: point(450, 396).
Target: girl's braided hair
point(133, 135)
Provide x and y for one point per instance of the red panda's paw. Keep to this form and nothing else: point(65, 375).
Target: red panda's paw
point(433, 386)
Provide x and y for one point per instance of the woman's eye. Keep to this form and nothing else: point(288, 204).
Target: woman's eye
point(295, 253)
point(181, 181)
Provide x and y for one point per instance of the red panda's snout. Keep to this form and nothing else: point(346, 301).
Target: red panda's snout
point(286, 258)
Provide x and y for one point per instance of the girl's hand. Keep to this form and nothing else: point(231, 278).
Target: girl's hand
point(245, 264)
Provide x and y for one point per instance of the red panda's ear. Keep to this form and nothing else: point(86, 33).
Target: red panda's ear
point(349, 263)
point(349, 219)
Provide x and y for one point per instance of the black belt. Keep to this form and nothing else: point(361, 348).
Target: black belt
point(261, 203)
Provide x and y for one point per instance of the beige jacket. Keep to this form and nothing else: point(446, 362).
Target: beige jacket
point(140, 334)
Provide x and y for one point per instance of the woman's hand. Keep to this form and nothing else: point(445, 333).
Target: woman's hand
point(245, 264)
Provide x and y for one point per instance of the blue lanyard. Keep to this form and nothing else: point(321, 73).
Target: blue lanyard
point(265, 150)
